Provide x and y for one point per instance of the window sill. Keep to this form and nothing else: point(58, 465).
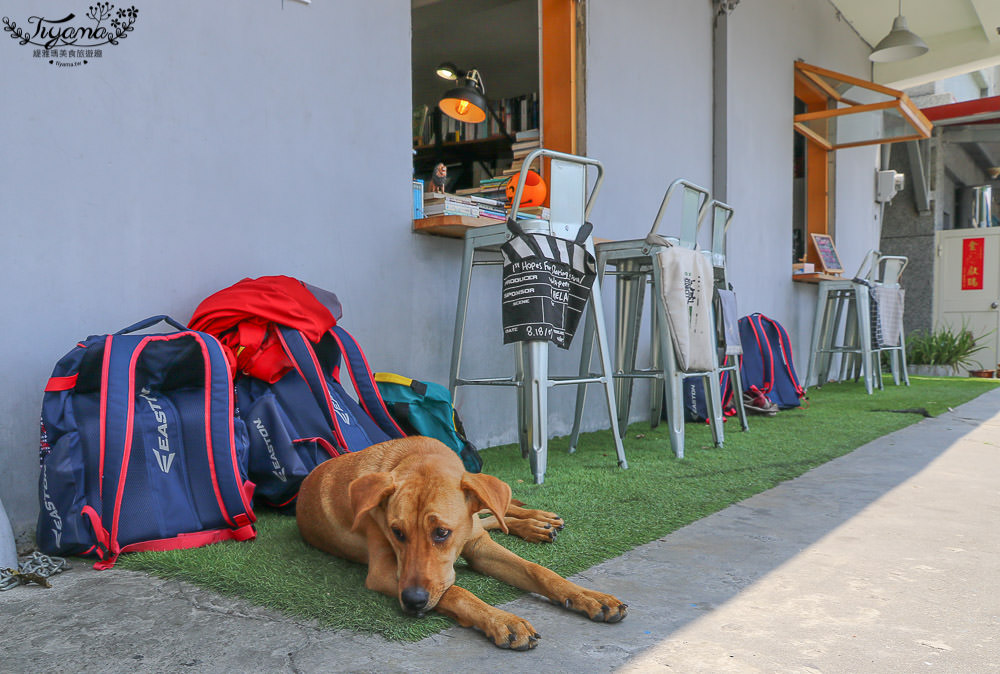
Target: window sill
point(453, 226)
point(815, 277)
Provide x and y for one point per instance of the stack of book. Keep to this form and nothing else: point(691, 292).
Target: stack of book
point(438, 203)
point(476, 206)
point(493, 208)
point(533, 213)
point(525, 142)
point(489, 198)
point(500, 211)
point(489, 188)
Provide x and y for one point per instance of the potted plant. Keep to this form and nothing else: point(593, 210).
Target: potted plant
point(943, 352)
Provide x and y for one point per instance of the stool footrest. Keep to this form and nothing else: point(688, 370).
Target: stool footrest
point(640, 374)
point(593, 379)
point(504, 381)
point(695, 373)
point(553, 381)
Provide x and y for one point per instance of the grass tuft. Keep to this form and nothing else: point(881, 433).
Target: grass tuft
point(608, 511)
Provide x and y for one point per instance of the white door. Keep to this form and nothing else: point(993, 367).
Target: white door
point(967, 286)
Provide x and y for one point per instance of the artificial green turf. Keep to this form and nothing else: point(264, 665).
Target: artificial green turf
point(607, 510)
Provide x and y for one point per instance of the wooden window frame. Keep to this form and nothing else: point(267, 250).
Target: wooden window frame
point(561, 53)
point(813, 84)
point(817, 169)
point(558, 46)
point(824, 102)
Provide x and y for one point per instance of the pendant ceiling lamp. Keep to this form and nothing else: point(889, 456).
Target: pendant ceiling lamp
point(900, 43)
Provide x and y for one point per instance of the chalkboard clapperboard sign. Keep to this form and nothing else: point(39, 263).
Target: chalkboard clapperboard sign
point(546, 285)
point(828, 256)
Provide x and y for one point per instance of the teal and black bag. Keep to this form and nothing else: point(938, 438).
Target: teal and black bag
point(424, 408)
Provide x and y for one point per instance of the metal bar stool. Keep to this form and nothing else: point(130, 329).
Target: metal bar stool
point(695, 204)
point(884, 274)
point(843, 303)
point(722, 216)
point(635, 264)
point(569, 208)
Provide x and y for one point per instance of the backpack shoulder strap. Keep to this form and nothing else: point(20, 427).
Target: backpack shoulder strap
point(233, 496)
point(364, 382)
point(306, 363)
point(763, 347)
point(757, 321)
point(117, 416)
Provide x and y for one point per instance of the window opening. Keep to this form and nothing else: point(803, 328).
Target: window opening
point(833, 111)
point(525, 51)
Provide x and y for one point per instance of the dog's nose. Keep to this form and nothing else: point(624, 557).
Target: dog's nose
point(414, 598)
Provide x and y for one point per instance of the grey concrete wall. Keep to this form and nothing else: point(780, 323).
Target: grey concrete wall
point(946, 214)
point(907, 232)
point(218, 141)
point(761, 62)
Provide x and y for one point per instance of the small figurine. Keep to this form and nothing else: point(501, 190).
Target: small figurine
point(439, 178)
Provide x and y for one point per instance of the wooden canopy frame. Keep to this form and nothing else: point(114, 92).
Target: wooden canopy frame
point(818, 82)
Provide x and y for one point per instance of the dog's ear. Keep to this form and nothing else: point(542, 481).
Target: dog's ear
point(367, 492)
point(488, 492)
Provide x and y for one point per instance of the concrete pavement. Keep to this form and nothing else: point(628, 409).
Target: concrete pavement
point(884, 560)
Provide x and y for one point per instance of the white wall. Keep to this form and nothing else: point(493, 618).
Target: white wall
point(766, 38)
point(649, 121)
point(649, 105)
point(220, 140)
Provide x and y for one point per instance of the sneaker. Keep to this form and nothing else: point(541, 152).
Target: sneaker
point(755, 402)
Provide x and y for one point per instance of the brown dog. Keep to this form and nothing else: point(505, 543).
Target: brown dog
point(408, 509)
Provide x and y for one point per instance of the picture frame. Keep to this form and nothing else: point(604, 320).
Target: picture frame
point(828, 256)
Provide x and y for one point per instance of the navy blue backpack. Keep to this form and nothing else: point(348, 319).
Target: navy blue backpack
point(139, 447)
point(307, 416)
point(767, 361)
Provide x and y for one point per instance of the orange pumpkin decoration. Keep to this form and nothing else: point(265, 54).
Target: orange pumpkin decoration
point(534, 190)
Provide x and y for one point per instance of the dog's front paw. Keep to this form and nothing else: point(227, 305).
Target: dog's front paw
point(597, 606)
point(547, 518)
point(507, 630)
point(534, 531)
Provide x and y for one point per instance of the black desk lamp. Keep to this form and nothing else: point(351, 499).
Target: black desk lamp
point(467, 102)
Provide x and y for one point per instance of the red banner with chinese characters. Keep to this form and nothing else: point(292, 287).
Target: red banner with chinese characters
point(972, 263)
